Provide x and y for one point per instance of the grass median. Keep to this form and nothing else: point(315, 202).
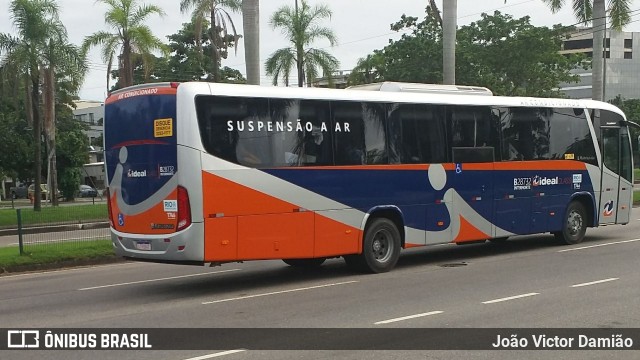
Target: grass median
point(55, 255)
point(51, 215)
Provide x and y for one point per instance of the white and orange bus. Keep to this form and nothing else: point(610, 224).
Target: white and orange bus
point(211, 173)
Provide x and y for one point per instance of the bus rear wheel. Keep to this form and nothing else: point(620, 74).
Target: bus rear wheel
point(574, 225)
point(305, 263)
point(380, 248)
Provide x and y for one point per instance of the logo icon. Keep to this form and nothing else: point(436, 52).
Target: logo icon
point(608, 208)
point(120, 219)
point(23, 339)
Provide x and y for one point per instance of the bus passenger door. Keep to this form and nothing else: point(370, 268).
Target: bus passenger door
point(473, 182)
point(616, 186)
point(474, 140)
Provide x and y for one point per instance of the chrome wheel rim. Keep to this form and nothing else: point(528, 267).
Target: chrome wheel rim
point(382, 246)
point(574, 223)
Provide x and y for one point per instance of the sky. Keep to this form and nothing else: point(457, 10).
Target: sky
point(360, 25)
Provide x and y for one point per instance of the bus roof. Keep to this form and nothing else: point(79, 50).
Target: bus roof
point(423, 88)
point(241, 90)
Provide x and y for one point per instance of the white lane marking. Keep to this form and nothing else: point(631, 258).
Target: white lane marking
point(279, 292)
point(408, 317)
point(599, 245)
point(510, 298)
point(595, 282)
point(203, 357)
point(153, 280)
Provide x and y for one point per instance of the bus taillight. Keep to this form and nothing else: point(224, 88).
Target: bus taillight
point(184, 209)
point(109, 208)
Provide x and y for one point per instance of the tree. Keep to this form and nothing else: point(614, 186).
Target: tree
point(36, 22)
point(251, 28)
point(512, 57)
point(509, 56)
point(16, 145)
point(416, 56)
point(301, 29)
point(185, 62)
point(631, 108)
point(221, 23)
point(368, 69)
point(73, 145)
point(130, 37)
point(66, 61)
point(594, 11)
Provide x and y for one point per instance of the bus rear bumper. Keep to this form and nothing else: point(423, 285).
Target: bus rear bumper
point(186, 246)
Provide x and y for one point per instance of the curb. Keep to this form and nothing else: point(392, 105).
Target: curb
point(65, 264)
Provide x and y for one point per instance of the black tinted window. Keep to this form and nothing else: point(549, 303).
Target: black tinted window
point(258, 132)
point(474, 134)
point(570, 136)
point(417, 134)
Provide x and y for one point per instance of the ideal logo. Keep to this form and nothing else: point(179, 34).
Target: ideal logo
point(544, 181)
point(608, 208)
point(136, 174)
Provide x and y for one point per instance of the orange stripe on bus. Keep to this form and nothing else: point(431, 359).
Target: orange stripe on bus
point(142, 223)
point(468, 232)
point(541, 165)
point(243, 223)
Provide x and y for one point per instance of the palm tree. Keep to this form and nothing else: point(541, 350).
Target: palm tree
point(220, 21)
point(301, 29)
point(251, 28)
point(595, 12)
point(36, 22)
point(368, 70)
point(449, 14)
point(130, 36)
point(62, 60)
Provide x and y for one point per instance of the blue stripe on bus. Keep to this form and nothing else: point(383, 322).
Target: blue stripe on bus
point(517, 208)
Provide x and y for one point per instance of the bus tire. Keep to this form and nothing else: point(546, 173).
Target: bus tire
point(305, 263)
point(574, 224)
point(380, 248)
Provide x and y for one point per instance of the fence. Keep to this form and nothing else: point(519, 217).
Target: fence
point(63, 227)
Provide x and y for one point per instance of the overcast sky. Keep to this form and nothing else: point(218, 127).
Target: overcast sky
point(361, 26)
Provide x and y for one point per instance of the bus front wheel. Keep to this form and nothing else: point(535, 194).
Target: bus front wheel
point(380, 248)
point(574, 225)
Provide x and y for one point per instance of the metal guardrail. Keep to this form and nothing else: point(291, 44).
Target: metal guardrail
point(45, 235)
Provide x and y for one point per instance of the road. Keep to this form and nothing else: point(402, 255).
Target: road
point(528, 282)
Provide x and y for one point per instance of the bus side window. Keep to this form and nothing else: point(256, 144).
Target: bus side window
point(525, 134)
point(474, 134)
point(348, 125)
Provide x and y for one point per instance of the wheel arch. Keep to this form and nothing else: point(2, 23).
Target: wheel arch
point(587, 200)
point(390, 212)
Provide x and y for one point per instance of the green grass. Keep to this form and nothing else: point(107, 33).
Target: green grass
point(636, 197)
point(43, 254)
point(636, 174)
point(59, 214)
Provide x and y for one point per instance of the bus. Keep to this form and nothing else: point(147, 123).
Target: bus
point(204, 173)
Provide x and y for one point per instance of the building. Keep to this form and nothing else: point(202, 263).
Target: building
point(339, 79)
point(92, 114)
point(621, 64)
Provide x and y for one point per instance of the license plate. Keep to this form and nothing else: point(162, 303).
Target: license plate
point(143, 245)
